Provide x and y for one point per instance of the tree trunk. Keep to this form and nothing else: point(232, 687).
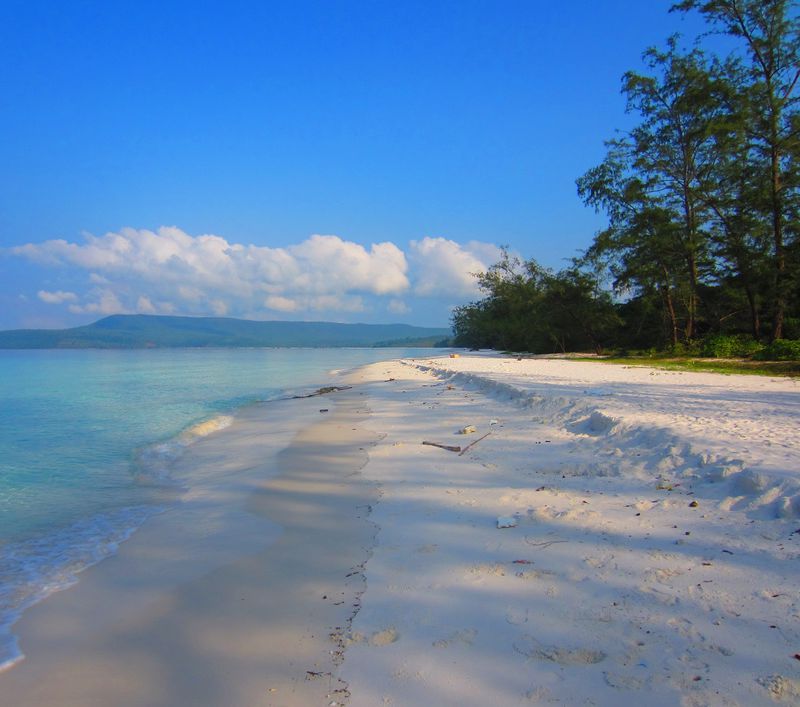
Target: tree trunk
point(779, 304)
point(670, 306)
point(690, 220)
point(691, 321)
point(755, 319)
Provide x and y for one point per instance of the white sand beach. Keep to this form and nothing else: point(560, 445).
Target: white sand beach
point(655, 556)
point(652, 554)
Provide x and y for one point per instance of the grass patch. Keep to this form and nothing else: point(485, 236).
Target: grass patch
point(725, 366)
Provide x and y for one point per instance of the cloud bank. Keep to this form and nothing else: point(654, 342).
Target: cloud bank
point(168, 271)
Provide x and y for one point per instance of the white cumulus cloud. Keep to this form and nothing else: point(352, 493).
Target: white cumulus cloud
point(445, 268)
point(170, 271)
point(281, 304)
point(57, 297)
point(104, 302)
point(145, 306)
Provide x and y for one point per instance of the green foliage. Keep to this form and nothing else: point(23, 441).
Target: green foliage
point(703, 193)
point(730, 346)
point(780, 350)
point(791, 326)
point(529, 308)
point(729, 366)
point(685, 348)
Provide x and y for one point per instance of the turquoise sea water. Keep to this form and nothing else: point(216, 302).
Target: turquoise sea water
point(86, 440)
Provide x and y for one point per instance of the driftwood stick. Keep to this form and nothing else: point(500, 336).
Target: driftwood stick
point(448, 447)
point(323, 391)
point(472, 444)
point(544, 544)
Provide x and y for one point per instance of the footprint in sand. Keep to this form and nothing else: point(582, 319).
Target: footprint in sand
point(649, 592)
point(623, 682)
point(487, 569)
point(517, 617)
point(562, 655)
point(570, 656)
point(600, 562)
point(662, 575)
point(780, 688)
point(465, 636)
point(385, 637)
point(539, 694)
point(535, 574)
point(685, 628)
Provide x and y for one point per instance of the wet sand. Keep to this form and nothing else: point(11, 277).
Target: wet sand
point(239, 595)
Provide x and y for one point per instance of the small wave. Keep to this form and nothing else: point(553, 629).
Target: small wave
point(33, 569)
point(203, 429)
point(155, 461)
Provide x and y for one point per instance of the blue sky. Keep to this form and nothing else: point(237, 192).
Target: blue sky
point(348, 161)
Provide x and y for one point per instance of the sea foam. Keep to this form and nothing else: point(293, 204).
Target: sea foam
point(33, 569)
point(36, 568)
point(154, 462)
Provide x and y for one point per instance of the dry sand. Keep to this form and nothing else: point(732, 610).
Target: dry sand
point(655, 556)
point(653, 553)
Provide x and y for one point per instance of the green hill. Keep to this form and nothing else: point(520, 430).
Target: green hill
point(137, 331)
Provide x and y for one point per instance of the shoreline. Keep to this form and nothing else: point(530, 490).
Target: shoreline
point(180, 616)
point(651, 553)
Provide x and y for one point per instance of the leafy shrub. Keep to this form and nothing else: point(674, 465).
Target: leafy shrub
point(730, 346)
point(685, 348)
point(780, 350)
point(791, 328)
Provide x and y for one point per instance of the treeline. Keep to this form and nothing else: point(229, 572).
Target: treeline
point(529, 308)
point(702, 198)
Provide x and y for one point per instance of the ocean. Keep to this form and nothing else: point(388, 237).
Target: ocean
point(87, 439)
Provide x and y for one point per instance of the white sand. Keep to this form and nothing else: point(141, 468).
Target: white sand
point(611, 589)
point(653, 557)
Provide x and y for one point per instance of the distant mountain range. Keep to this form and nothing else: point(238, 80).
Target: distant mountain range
point(140, 331)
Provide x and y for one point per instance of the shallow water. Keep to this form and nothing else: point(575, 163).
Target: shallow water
point(87, 439)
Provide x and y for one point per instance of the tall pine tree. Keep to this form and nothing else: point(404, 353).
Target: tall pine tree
point(770, 33)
